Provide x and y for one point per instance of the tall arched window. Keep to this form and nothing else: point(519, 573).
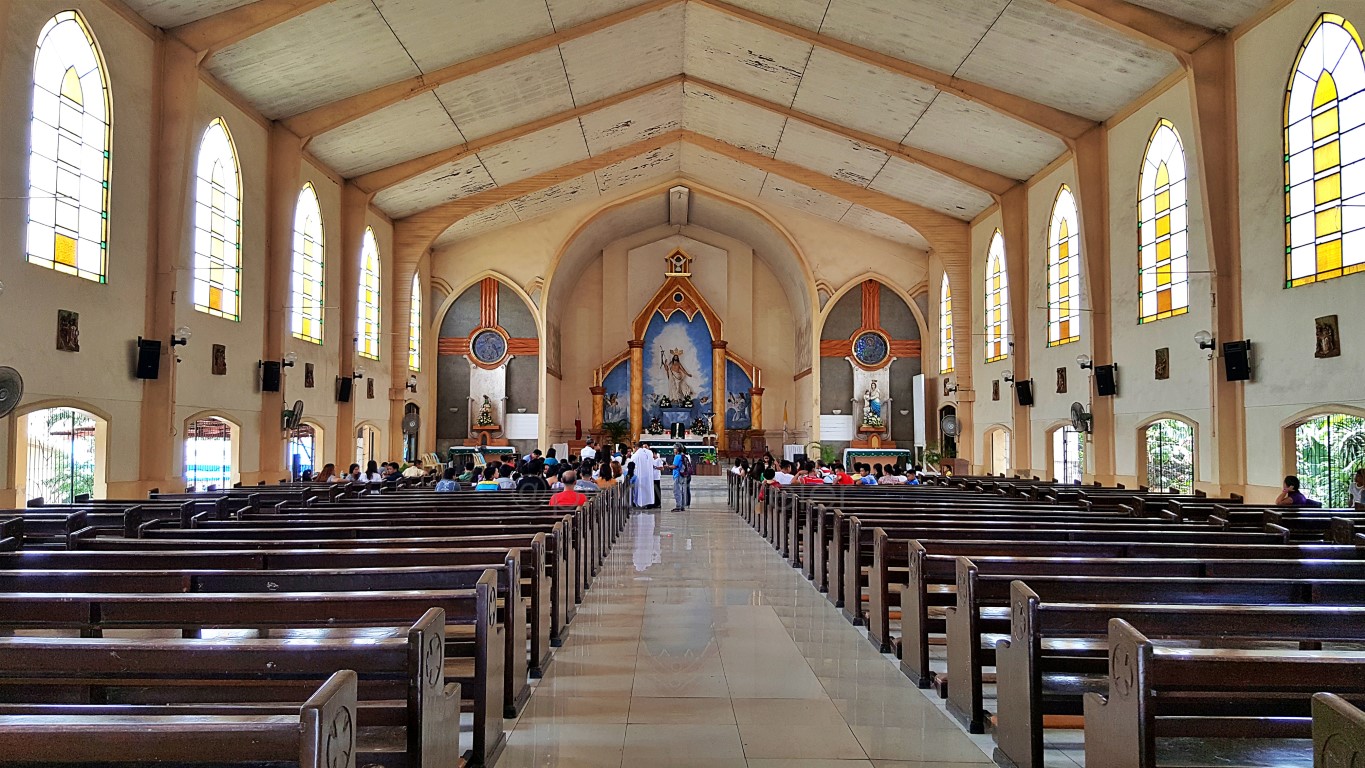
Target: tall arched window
point(997, 301)
point(367, 310)
point(217, 283)
point(68, 161)
point(415, 326)
point(1328, 450)
point(1063, 272)
point(945, 327)
point(306, 286)
point(1163, 239)
point(1170, 455)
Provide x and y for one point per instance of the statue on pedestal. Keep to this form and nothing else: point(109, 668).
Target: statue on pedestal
point(486, 413)
point(872, 407)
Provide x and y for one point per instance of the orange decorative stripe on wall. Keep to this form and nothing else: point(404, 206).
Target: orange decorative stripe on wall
point(905, 348)
point(452, 346)
point(523, 346)
point(835, 348)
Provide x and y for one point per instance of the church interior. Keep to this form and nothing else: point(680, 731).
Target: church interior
point(1083, 261)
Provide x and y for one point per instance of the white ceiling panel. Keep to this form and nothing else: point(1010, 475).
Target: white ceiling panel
point(442, 32)
point(406, 130)
point(733, 122)
point(172, 13)
point(742, 55)
point(509, 95)
point(544, 150)
point(553, 198)
point(640, 169)
point(571, 13)
point(314, 59)
point(931, 189)
point(803, 198)
point(830, 154)
point(851, 93)
point(971, 133)
point(802, 13)
point(1215, 14)
point(626, 56)
point(887, 227)
point(440, 185)
point(721, 172)
point(1090, 69)
point(479, 222)
point(633, 120)
point(935, 33)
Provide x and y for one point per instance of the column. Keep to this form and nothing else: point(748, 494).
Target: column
point(718, 389)
point(756, 410)
point(1014, 213)
point(354, 206)
point(598, 392)
point(1092, 199)
point(637, 388)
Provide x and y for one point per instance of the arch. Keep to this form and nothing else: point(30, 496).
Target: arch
point(458, 291)
point(415, 324)
point(206, 461)
point(1163, 227)
point(368, 439)
point(996, 444)
point(21, 450)
point(997, 313)
point(70, 144)
point(306, 444)
point(906, 295)
point(216, 283)
point(1065, 452)
point(1171, 453)
point(1324, 149)
point(307, 284)
point(1323, 445)
point(945, 326)
point(368, 315)
point(1064, 271)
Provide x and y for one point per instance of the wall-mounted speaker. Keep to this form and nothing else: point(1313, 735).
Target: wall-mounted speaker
point(1024, 391)
point(344, 384)
point(1106, 380)
point(148, 358)
point(270, 376)
point(1237, 360)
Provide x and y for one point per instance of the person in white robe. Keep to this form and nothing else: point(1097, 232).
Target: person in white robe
point(644, 475)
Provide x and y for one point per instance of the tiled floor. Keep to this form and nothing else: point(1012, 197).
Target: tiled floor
point(698, 645)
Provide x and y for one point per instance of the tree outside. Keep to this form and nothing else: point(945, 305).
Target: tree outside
point(1330, 449)
point(1170, 456)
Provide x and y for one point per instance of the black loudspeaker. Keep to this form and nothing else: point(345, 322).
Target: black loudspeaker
point(1024, 391)
point(148, 358)
point(344, 384)
point(1237, 360)
point(1106, 380)
point(270, 376)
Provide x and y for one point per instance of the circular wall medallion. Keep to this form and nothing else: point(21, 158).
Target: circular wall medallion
point(870, 348)
point(488, 346)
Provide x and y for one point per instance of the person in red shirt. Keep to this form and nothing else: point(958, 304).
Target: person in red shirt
point(569, 497)
point(841, 477)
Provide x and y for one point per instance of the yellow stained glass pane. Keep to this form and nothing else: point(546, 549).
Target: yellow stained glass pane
point(1163, 201)
point(1326, 90)
point(1163, 274)
point(1326, 124)
point(1163, 251)
point(1327, 156)
point(1327, 189)
point(71, 86)
point(1163, 175)
point(1329, 255)
point(216, 298)
point(1329, 221)
point(1163, 301)
point(1063, 248)
point(1163, 226)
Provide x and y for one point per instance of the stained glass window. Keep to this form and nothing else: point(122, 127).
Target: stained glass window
point(415, 326)
point(216, 286)
point(1324, 143)
point(1063, 272)
point(68, 162)
point(945, 327)
point(997, 301)
point(305, 316)
point(367, 311)
point(1163, 239)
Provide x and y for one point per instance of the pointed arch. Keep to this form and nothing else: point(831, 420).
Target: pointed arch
point(1324, 140)
point(945, 326)
point(997, 300)
point(217, 273)
point(1064, 271)
point(367, 309)
point(415, 325)
point(69, 151)
point(1163, 223)
point(306, 284)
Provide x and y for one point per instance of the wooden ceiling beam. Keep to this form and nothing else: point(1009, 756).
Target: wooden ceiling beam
point(212, 34)
point(1056, 122)
point(329, 116)
point(401, 172)
point(1176, 36)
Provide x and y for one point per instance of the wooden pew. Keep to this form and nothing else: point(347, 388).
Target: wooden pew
point(321, 735)
point(1338, 732)
point(1157, 692)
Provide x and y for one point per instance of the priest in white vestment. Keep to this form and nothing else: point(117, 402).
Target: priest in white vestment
point(644, 475)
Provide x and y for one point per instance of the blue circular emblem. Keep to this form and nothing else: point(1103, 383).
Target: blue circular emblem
point(489, 347)
point(870, 349)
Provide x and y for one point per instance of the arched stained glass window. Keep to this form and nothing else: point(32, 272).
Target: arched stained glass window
point(1163, 239)
point(997, 301)
point(216, 285)
point(68, 162)
point(1324, 144)
point(367, 310)
point(945, 327)
point(415, 326)
point(1063, 272)
point(306, 286)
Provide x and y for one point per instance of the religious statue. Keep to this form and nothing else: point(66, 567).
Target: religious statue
point(486, 413)
point(679, 390)
point(872, 407)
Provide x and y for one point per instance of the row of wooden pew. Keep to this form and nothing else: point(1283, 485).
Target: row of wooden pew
point(1186, 621)
point(319, 624)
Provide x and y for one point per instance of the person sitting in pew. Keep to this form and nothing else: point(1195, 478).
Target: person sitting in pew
point(489, 481)
point(1357, 488)
point(505, 480)
point(570, 496)
point(328, 474)
point(532, 478)
point(606, 476)
point(447, 483)
point(1291, 496)
point(416, 470)
point(469, 474)
point(585, 480)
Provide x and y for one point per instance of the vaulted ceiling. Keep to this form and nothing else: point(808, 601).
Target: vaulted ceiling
point(841, 108)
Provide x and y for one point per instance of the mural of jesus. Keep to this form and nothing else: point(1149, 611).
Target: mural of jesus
point(678, 376)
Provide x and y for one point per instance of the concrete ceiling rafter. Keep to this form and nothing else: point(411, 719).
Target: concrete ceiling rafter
point(1176, 36)
point(212, 34)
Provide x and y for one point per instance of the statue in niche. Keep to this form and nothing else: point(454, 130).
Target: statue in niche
point(486, 413)
point(679, 390)
point(872, 407)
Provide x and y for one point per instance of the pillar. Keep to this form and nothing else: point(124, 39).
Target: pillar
point(637, 388)
point(598, 392)
point(1092, 199)
point(756, 409)
point(1014, 213)
point(718, 389)
point(355, 204)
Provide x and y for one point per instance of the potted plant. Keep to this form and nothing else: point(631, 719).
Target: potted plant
point(617, 432)
point(932, 455)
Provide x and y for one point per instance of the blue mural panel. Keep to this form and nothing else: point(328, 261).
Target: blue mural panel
point(738, 405)
point(677, 370)
point(616, 398)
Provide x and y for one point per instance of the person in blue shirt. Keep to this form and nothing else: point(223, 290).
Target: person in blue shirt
point(550, 459)
point(682, 478)
point(448, 483)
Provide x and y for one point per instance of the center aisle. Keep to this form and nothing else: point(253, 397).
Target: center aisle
point(697, 645)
